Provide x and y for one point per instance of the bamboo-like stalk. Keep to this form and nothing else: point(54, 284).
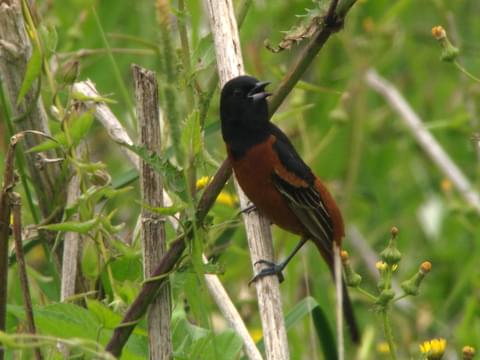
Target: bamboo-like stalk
point(152, 224)
point(230, 64)
point(16, 202)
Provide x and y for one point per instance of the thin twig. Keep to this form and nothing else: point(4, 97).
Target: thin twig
point(16, 202)
point(337, 263)
point(309, 52)
point(425, 139)
point(152, 224)
point(232, 315)
point(72, 241)
point(8, 183)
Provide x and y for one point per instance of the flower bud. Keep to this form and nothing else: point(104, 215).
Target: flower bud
point(391, 255)
point(468, 353)
point(449, 52)
point(351, 277)
point(412, 285)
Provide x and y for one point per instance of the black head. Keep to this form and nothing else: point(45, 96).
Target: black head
point(244, 109)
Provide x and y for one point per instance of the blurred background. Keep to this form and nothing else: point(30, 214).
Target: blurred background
point(344, 130)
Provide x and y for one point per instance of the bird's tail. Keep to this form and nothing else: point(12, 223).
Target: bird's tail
point(348, 312)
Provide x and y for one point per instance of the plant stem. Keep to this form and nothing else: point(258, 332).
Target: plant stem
point(366, 294)
point(388, 333)
point(8, 183)
point(20, 158)
point(16, 203)
point(466, 72)
point(182, 29)
point(168, 87)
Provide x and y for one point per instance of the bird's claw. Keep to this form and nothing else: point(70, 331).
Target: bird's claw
point(272, 269)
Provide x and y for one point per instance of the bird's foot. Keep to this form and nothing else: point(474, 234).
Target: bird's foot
point(271, 269)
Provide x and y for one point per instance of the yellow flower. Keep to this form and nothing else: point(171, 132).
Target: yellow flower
point(383, 348)
point(226, 198)
point(433, 349)
point(256, 334)
point(202, 182)
point(381, 266)
point(446, 185)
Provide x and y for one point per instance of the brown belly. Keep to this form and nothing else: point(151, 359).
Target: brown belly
point(254, 175)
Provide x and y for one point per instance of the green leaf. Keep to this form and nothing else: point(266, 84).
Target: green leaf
point(81, 227)
point(204, 53)
point(49, 37)
point(97, 99)
point(62, 320)
point(34, 67)
point(56, 142)
point(165, 211)
point(79, 126)
point(194, 342)
point(173, 177)
point(70, 321)
point(192, 135)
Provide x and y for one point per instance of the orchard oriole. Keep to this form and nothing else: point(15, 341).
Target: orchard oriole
point(275, 178)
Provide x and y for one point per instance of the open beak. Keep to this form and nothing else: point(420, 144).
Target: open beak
point(258, 92)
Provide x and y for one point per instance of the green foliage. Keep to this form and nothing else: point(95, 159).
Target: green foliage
point(348, 135)
point(32, 73)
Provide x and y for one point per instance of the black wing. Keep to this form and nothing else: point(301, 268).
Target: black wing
point(305, 201)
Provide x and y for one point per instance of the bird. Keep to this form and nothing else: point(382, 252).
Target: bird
point(281, 186)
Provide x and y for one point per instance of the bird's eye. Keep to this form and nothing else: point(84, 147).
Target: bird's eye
point(237, 93)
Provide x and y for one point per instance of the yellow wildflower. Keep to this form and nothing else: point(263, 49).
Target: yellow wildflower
point(226, 198)
point(433, 349)
point(256, 334)
point(383, 348)
point(202, 182)
point(381, 266)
